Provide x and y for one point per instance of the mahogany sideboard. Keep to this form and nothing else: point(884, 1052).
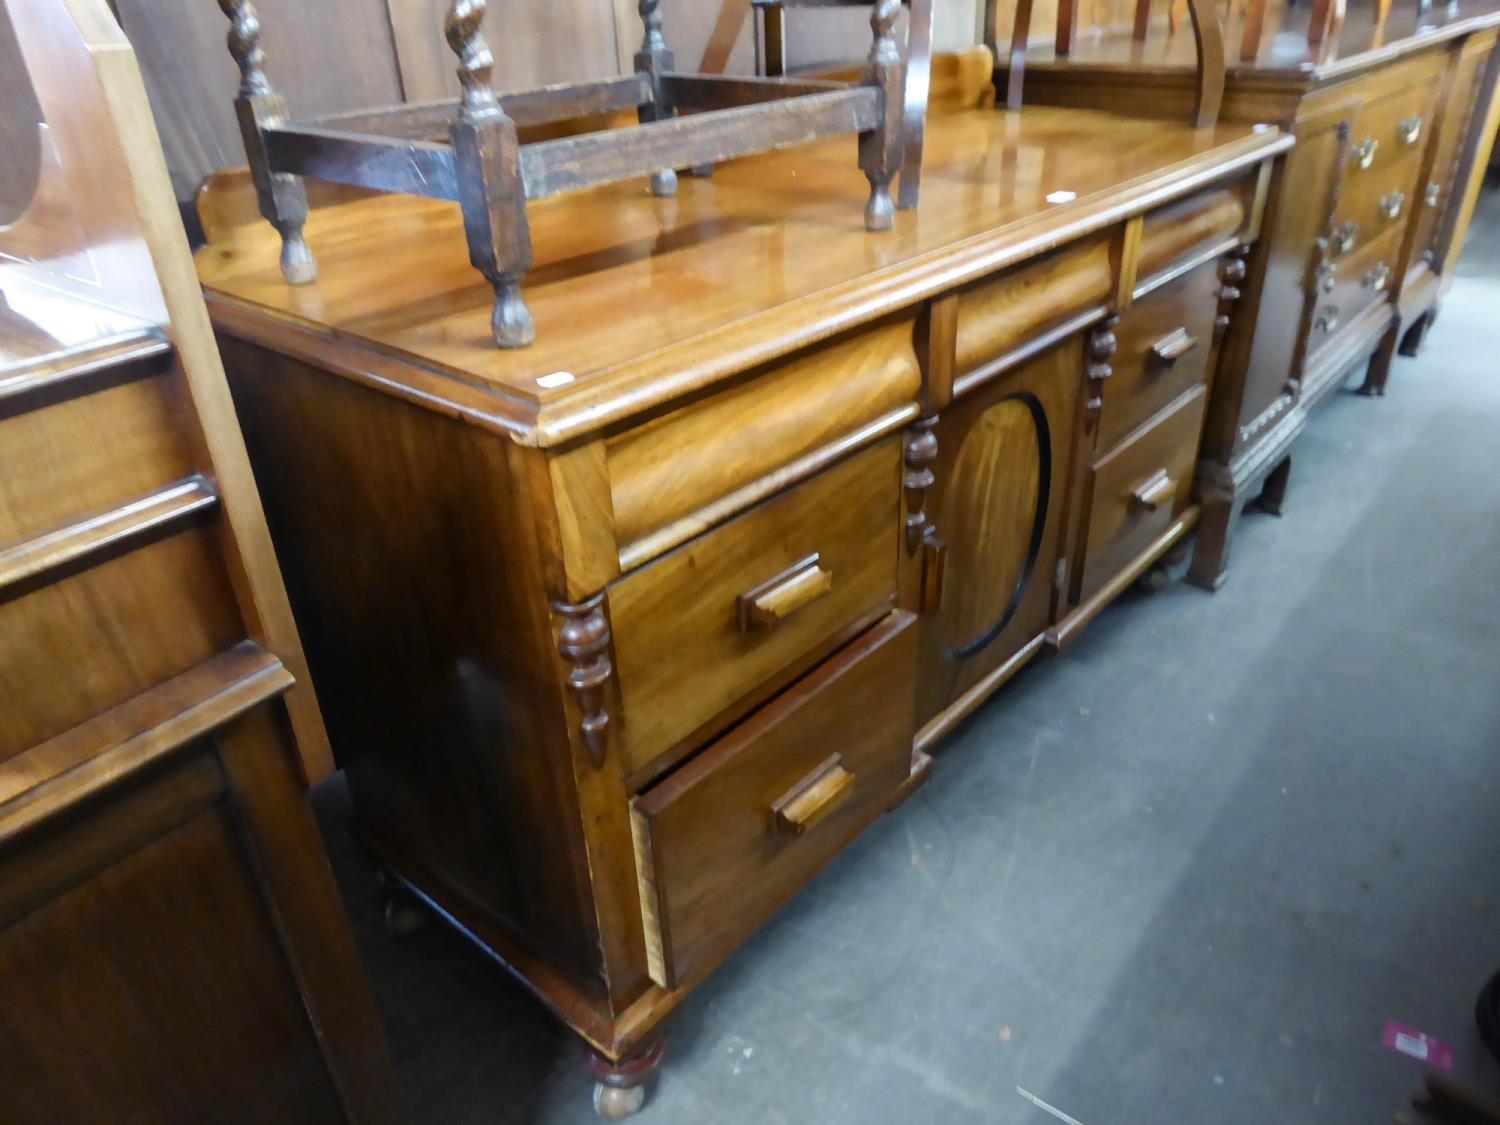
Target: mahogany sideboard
point(620, 639)
point(1394, 121)
point(172, 946)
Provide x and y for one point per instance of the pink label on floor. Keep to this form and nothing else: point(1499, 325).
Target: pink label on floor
point(1418, 1045)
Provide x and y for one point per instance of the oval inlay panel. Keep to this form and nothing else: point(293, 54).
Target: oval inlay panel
point(20, 127)
point(994, 513)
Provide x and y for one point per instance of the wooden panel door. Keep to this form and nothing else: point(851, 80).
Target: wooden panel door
point(997, 504)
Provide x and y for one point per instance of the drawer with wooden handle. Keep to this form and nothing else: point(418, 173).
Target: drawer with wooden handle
point(1178, 231)
point(1136, 491)
point(1391, 128)
point(712, 628)
point(728, 838)
point(1164, 345)
point(1362, 278)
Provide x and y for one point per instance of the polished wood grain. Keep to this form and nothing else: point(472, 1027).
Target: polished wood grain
point(735, 283)
point(678, 617)
point(614, 605)
point(716, 863)
point(150, 785)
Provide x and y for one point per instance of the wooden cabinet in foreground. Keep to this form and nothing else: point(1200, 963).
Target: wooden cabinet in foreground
point(623, 638)
point(172, 945)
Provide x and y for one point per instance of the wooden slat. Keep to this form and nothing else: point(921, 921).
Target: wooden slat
point(31, 558)
point(111, 746)
point(711, 91)
point(77, 363)
point(430, 120)
point(595, 158)
point(407, 166)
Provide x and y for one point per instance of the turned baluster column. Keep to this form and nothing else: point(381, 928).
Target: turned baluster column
point(880, 150)
point(583, 642)
point(654, 59)
point(487, 154)
point(283, 200)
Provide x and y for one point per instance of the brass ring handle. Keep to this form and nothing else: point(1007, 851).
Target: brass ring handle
point(1149, 495)
point(1363, 154)
point(1343, 239)
point(1392, 205)
point(1328, 319)
point(776, 599)
point(1172, 347)
point(812, 798)
point(1377, 278)
point(1409, 130)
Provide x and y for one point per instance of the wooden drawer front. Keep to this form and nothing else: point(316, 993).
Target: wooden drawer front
point(663, 475)
point(87, 454)
point(1390, 129)
point(1192, 225)
point(723, 621)
point(725, 841)
point(1379, 200)
point(1136, 491)
point(1363, 278)
point(1165, 342)
point(995, 317)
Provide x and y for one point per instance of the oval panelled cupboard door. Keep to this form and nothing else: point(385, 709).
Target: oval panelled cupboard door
point(997, 499)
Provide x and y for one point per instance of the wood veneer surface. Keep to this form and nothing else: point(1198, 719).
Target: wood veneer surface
point(638, 300)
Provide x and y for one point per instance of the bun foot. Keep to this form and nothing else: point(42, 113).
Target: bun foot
point(620, 1086)
point(511, 321)
point(403, 914)
point(298, 265)
point(664, 183)
point(880, 212)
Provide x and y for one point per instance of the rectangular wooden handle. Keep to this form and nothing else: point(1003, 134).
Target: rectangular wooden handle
point(812, 798)
point(1172, 347)
point(1149, 495)
point(773, 601)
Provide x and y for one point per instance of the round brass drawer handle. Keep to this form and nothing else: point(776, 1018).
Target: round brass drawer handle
point(1392, 205)
point(1328, 319)
point(1377, 278)
point(1363, 154)
point(1409, 130)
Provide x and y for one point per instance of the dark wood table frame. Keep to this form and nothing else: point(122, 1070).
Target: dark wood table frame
point(770, 60)
point(468, 150)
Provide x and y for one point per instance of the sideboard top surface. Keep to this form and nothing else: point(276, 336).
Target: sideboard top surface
point(641, 300)
point(1285, 56)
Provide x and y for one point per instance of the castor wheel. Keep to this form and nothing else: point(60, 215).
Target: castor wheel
point(404, 914)
point(620, 1086)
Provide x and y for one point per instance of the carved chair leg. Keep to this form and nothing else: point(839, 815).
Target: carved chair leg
point(1210, 563)
point(282, 198)
point(487, 153)
point(918, 88)
point(1272, 498)
point(620, 1085)
point(880, 149)
point(653, 60)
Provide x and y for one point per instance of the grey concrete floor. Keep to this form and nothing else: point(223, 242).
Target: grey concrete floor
point(1183, 873)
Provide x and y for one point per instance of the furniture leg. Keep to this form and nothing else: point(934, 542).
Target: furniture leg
point(282, 198)
point(1379, 369)
point(918, 89)
point(1210, 564)
point(487, 153)
point(653, 60)
point(402, 912)
point(1416, 335)
point(880, 149)
point(1273, 492)
point(620, 1084)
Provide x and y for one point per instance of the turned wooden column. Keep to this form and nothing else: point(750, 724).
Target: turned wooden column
point(487, 153)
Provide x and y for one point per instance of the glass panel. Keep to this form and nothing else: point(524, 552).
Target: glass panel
point(20, 124)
